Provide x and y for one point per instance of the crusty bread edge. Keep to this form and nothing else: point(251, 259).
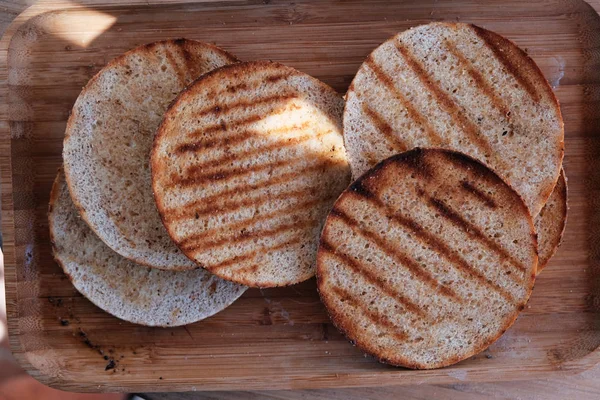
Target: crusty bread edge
point(53, 198)
point(401, 361)
point(546, 193)
point(155, 165)
point(565, 215)
point(116, 61)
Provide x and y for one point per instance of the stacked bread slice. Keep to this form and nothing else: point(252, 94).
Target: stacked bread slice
point(428, 257)
point(106, 232)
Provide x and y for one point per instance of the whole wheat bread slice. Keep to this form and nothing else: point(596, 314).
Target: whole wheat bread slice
point(122, 288)
point(551, 221)
point(426, 259)
point(459, 87)
point(108, 140)
point(245, 166)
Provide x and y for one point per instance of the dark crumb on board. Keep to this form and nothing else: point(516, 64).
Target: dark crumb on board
point(54, 301)
point(64, 322)
point(111, 361)
point(488, 356)
point(160, 377)
point(111, 365)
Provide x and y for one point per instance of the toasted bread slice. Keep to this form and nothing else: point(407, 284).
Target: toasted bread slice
point(551, 221)
point(122, 288)
point(246, 165)
point(108, 140)
point(426, 259)
point(463, 88)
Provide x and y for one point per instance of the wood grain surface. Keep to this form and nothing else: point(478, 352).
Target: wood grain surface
point(278, 338)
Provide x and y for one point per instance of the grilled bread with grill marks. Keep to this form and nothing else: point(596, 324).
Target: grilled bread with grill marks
point(551, 221)
point(108, 141)
point(463, 88)
point(426, 259)
point(246, 165)
point(127, 290)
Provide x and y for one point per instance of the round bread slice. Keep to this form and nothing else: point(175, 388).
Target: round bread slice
point(246, 165)
point(124, 289)
point(426, 259)
point(551, 221)
point(459, 87)
point(108, 141)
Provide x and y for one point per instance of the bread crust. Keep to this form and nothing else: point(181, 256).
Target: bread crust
point(338, 250)
point(139, 239)
point(370, 136)
point(298, 93)
point(552, 221)
point(152, 297)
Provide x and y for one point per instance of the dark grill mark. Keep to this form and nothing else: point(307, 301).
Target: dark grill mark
point(257, 83)
point(181, 75)
point(234, 139)
point(383, 127)
point(371, 158)
point(198, 179)
point(195, 178)
point(439, 247)
point(473, 231)
point(278, 77)
point(410, 109)
point(245, 103)
point(492, 42)
point(245, 235)
point(293, 210)
point(240, 122)
point(224, 126)
point(482, 196)
point(478, 79)
point(446, 102)
point(250, 256)
point(376, 318)
point(372, 278)
point(247, 189)
point(392, 251)
point(416, 161)
point(252, 154)
point(235, 205)
point(188, 58)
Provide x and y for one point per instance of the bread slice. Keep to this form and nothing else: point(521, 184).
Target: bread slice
point(246, 165)
point(463, 88)
point(551, 221)
point(426, 259)
point(108, 140)
point(122, 288)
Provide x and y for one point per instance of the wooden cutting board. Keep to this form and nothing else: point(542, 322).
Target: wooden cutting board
point(277, 338)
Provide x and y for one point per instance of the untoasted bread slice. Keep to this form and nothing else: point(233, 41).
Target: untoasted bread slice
point(108, 140)
point(122, 288)
point(426, 259)
point(459, 87)
point(245, 167)
point(551, 221)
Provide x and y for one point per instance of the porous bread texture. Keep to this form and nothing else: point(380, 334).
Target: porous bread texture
point(426, 259)
point(459, 87)
point(551, 221)
point(122, 288)
point(246, 164)
point(108, 141)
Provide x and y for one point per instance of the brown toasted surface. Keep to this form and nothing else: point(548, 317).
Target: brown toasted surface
point(108, 141)
point(459, 87)
point(551, 221)
point(426, 259)
point(245, 167)
point(129, 291)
